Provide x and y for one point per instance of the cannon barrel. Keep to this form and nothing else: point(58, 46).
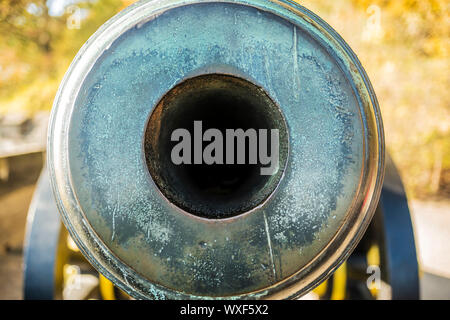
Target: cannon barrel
point(146, 139)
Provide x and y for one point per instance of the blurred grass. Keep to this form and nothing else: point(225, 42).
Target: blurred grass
point(402, 44)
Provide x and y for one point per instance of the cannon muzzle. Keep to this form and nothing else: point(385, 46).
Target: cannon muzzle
point(216, 149)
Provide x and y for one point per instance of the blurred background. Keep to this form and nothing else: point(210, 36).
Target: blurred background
point(402, 44)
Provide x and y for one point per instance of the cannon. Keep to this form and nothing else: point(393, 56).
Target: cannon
point(272, 214)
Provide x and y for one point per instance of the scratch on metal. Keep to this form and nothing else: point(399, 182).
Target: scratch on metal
point(116, 208)
point(267, 71)
point(269, 242)
point(295, 57)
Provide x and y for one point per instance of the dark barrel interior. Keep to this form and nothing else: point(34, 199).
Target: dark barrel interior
point(221, 102)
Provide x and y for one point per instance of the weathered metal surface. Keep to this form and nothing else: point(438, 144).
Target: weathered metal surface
point(391, 229)
point(152, 248)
